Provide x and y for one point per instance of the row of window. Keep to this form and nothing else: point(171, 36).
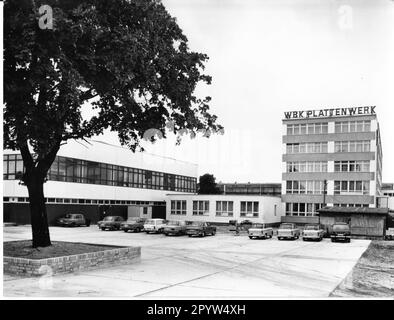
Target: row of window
point(302, 209)
point(321, 166)
point(310, 147)
point(307, 166)
point(81, 171)
point(351, 205)
point(310, 128)
point(353, 126)
point(352, 146)
point(305, 187)
point(87, 201)
point(322, 127)
point(223, 208)
point(352, 187)
point(351, 166)
point(321, 147)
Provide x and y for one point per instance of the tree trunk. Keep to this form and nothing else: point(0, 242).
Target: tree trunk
point(38, 213)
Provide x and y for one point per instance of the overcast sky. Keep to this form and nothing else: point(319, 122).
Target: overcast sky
point(267, 57)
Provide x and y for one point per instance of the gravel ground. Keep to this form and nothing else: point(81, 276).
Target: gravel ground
point(373, 275)
point(24, 249)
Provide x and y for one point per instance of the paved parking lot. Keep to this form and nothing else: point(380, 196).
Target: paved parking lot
point(212, 267)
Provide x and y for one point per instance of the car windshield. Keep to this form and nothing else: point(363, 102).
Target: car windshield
point(286, 226)
point(340, 227)
point(68, 216)
point(173, 223)
point(109, 218)
point(312, 227)
point(257, 225)
point(197, 223)
point(150, 222)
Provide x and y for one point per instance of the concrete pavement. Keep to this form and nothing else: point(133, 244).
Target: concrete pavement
point(182, 267)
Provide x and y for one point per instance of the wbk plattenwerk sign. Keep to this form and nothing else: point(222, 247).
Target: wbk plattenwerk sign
point(336, 112)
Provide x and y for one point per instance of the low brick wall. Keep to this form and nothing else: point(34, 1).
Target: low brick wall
point(67, 264)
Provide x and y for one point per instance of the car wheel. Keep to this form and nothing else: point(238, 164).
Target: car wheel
point(280, 238)
point(203, 234)
point(332, 240)
point(250, 237)
point(125, 230)
point(213, 233)
point(190, 235)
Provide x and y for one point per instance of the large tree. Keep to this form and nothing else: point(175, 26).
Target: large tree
point(126, 59)
point(207, 184)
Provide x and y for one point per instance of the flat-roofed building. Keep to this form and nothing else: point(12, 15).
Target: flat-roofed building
point(330, 157)
point(98, 179)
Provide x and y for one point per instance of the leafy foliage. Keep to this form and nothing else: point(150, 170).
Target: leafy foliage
point(127, 58)
point(207, 184)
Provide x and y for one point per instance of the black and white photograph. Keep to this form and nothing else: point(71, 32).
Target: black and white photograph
point(213, 151)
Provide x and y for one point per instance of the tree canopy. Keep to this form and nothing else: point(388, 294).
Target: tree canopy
point(128, 57)
point(207, 184)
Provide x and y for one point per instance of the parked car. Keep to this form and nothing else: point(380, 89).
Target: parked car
point(73, 220)
point(258, 230)
point(246, 224)
point(134, 224)
point(154, 225)
point(389, 234)
point(200, 228)
point(175, 227)
point(313, 232)
point(340, 232)
point(288, 231)
point(110, 223)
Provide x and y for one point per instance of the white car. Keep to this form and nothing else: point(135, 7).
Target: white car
point(258, 230)
point(288, 231)
point(154, 225)
point(313, 232)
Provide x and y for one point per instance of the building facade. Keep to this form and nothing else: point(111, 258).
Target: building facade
point(330, 157)
point(272, 189)
point(218, 208)
point(99, 179)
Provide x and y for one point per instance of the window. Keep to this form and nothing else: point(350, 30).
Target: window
point(81, 171)
point(145, 210)
point(305, 187)
point(224, 208)
point(351, 166)
point(249, 209)
point(200, 208)
point(312, 147)
point(310, 128)
point(307, 166)
point(302, 209)
point(178, 207)
point(351, 187)
point(353, 126)
point(352, 146)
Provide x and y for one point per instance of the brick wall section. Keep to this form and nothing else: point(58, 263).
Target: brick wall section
point(74, 263)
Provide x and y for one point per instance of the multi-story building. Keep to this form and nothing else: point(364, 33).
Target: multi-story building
point(331, 157)
point(99, 179)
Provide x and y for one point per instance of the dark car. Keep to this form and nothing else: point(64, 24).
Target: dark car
point(73, 220)
point(134, 224)
point(175, 227)
point(110, 223)
point(200, 228)
point(340, 232)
